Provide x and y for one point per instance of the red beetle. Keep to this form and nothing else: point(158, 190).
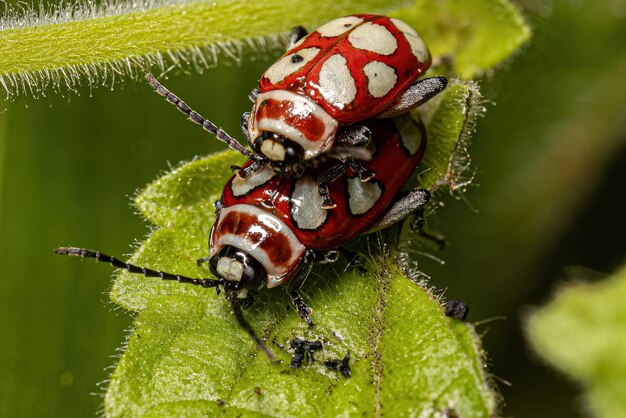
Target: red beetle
point(270, 227)
point(346, 71)
point(314, 98)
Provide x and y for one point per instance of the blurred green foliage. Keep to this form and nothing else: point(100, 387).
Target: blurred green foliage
point(474, 35)
point(581, 332)
point(556, 124)
point(66, 165)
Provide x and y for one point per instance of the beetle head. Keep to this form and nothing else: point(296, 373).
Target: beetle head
point(287, 127)
point(242, 274)
point(280, 150)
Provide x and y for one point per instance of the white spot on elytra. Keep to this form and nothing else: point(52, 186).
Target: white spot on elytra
point(306, 204)
point(338, 26)
point(336, 83)
point(410, 135)
point(362, 195)
point(374, 38)
point(407, 29)
point(380, 78)
point(241, 186)
point(286, 65)
point(417, 45)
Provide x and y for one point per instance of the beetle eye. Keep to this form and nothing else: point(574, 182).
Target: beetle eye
point(250, 274)
point(293, 153)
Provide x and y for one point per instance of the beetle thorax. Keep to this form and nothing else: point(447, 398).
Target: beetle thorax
point(246, 235)
point(289, 127)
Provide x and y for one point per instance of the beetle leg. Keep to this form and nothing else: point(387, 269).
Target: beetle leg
point(239, 171)
point(418, 93)
point(363, 173)
point(244, 171)
point(253, 93)
point(335, 172)
point(297, 33)
point(325, 257)
point(327, 177)
point(418, 224)
point(236, 306)
point(330, 256)
point(218, 205)
point(354, 259)
point(202, 260)
point(405, 204)
point(296, 282)
point(354, 135)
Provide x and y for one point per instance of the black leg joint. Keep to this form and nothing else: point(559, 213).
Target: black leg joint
point(303, 310)
point(418, 225)
point(354, 260)
point(297, 33)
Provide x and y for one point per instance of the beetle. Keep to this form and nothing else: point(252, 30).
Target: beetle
point(313, 99)
point(270, 228)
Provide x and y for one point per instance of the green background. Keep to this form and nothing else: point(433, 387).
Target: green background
point(551, 166)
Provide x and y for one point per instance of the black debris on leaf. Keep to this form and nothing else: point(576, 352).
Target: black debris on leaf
point(297, 359)
point(449, 413)
point(456, 309)
point(341, 366)
point(303, 349)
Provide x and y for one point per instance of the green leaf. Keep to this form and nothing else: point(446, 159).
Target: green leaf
point(187, 356)
point(82, 43)
point(475, 35)
point(581, 333)
point(451, 120)
point(71, 45)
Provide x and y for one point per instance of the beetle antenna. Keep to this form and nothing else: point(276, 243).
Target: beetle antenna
point(85, 253)
point(200, 120)
point(246, 326)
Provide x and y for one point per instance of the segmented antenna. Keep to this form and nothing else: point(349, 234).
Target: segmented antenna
point(204, 282)
point(200, 120)
point(85, 253)
point(248, 328)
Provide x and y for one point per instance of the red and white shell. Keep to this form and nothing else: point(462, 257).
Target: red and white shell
point(348, 70)
point(276, 218)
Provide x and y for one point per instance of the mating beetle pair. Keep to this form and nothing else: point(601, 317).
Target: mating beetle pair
point(334, 111)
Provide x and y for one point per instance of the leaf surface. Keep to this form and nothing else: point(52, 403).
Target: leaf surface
point(67, 46)
point(71, 45)
point(187, 356)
